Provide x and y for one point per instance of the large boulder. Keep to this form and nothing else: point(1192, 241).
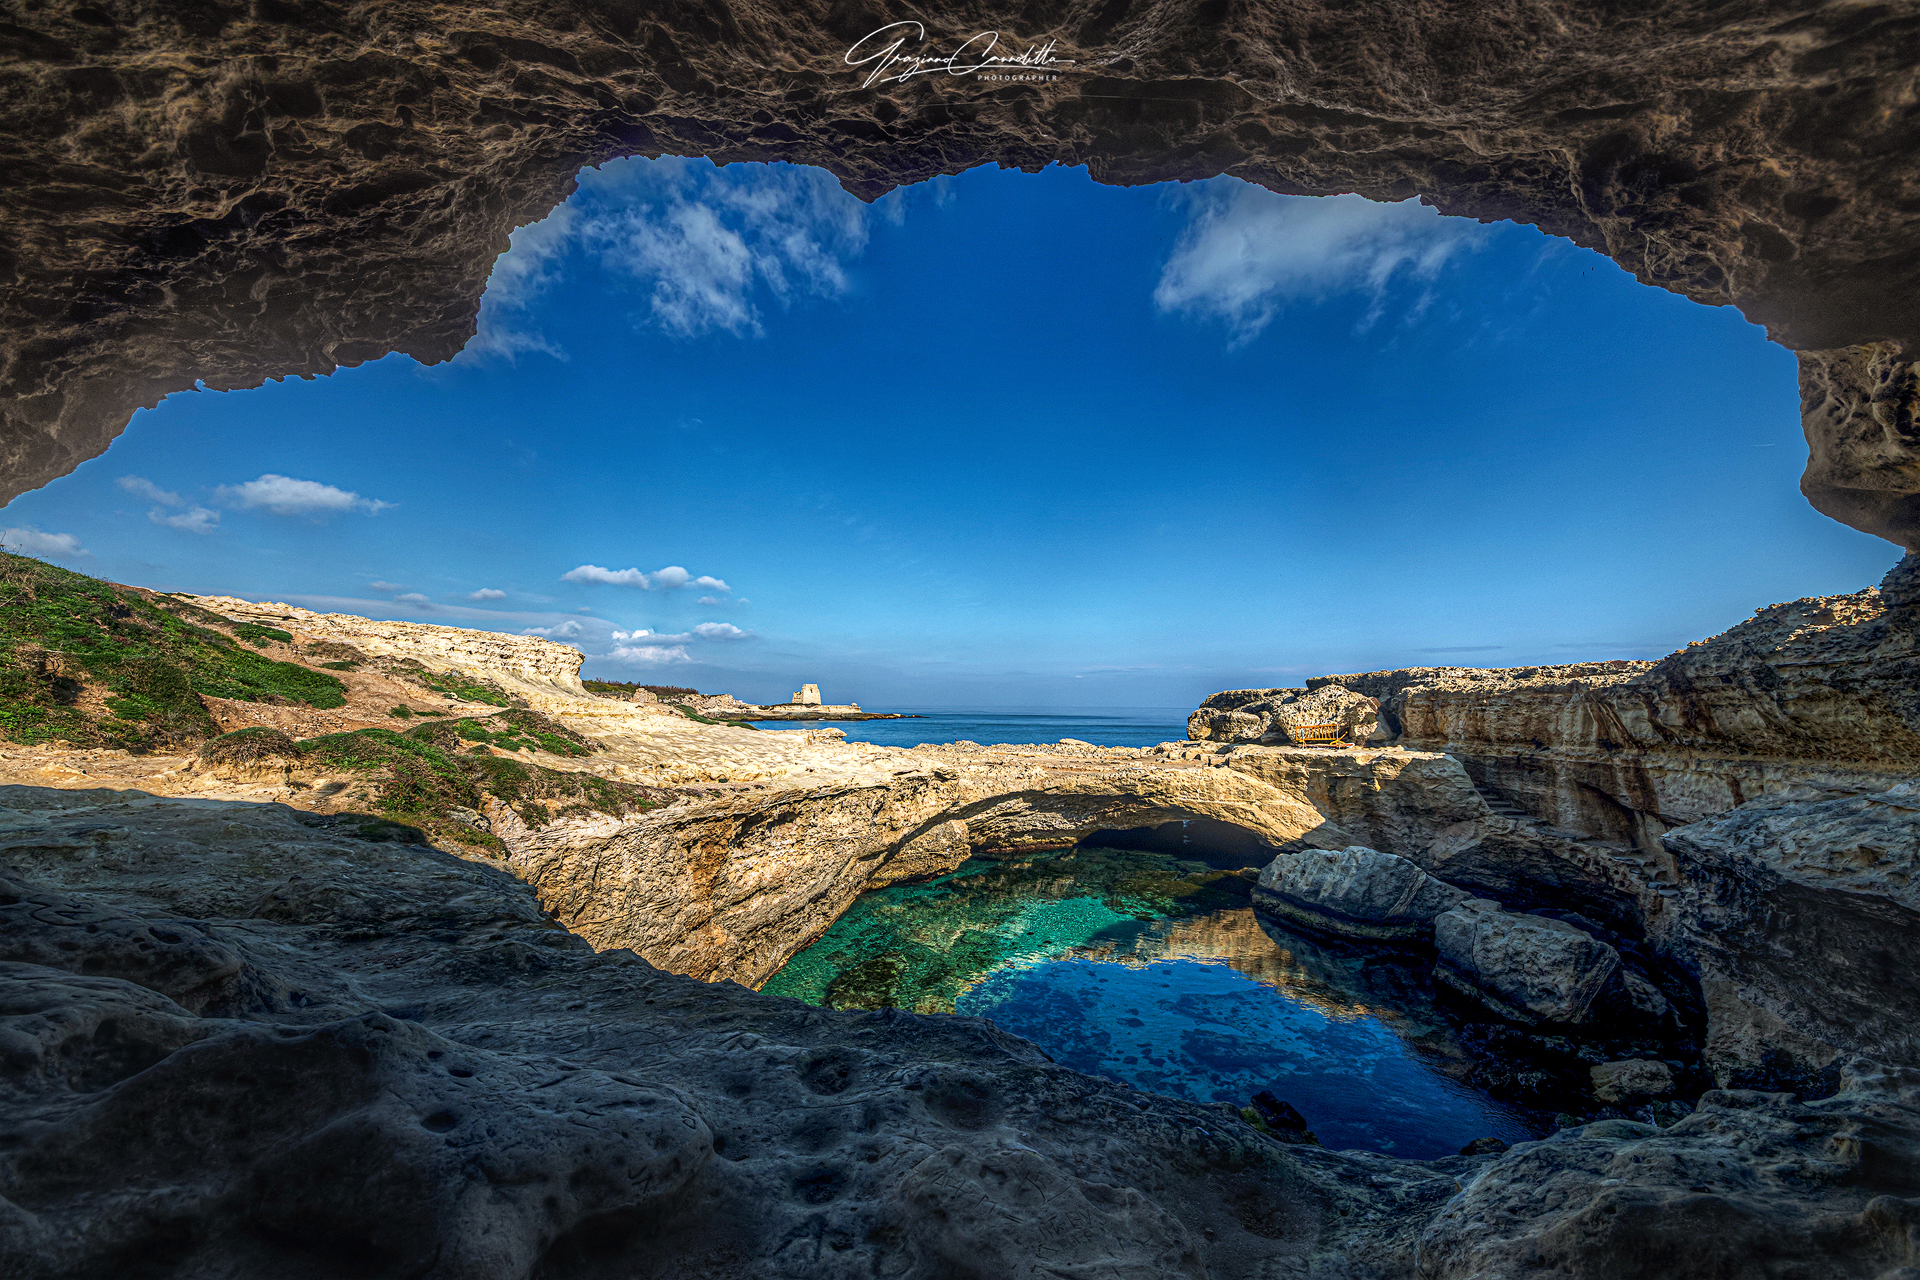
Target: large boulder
point(1356, 892)
point(1528, 969)
point(1798, 914)
point(1281, 717)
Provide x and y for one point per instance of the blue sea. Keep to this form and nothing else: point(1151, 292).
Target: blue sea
point(1102, 726)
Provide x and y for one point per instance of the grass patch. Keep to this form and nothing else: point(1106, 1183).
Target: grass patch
point(415, 785)
point(452, 683)
point(258, 636)
point(697, 718)
point(339, 666)
point(105, 666)
point(515, 730)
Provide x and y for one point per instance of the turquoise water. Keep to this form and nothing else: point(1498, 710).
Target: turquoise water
point(1106, 727)
point(1154, 970)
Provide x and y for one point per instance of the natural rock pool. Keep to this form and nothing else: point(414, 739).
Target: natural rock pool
point(1154, 970)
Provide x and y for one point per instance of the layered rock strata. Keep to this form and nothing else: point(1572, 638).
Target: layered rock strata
point(1743, 806)
point(1823, 691)
point(230, 194)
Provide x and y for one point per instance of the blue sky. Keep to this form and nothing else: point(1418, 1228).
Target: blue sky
point(1005, 439)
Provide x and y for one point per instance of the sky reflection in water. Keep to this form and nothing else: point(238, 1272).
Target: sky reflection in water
point(1154, 971)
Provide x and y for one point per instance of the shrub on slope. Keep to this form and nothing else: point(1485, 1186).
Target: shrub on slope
point(106, 666)
point(416, 784)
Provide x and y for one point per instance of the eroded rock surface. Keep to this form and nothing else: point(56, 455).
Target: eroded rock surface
point(1750, 1184)
point(1284, 716)
point(441, 1082)
point(1527, 968)
point(1356, 892)
point(1798, 916)
point(431, 1078)
point(233, 193)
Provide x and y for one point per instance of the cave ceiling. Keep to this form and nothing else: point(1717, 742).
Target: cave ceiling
point(198, 191)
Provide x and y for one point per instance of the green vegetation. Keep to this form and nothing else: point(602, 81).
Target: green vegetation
point(104, 666)
point(516, 730)
point(625, 689)
point(610, 688)
point(415, 783)
point(257, 635)
point(339, 666)
point(466, 688)
point(405, 713)
point(697, 718)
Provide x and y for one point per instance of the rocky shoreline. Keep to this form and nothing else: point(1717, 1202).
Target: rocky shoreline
point(547, 1041)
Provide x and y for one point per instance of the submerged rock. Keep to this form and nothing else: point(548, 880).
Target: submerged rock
point(1356, 892)
point(1526, 968)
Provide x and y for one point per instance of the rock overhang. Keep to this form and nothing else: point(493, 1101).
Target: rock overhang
point(233, 195)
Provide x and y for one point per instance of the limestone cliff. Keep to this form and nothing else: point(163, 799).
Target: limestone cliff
point(520, 660)
point(1823, 691)
point(230, 193)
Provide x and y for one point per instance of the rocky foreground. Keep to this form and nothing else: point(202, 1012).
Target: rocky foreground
point(251, 1027)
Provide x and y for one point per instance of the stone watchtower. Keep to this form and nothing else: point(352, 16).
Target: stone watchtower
point(809, 695)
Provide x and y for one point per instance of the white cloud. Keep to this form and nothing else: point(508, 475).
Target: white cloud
point(721, 631)
point(651, 655)
point(566, 630)
point(285, 496)
point(707, 243)
point(530, 266)
point(621, 637)
point(670, 578)
point(712, 600)
point(29, 541)
point(487, 593)
point(615, 577)
point(147, 489)
point(1247, 252)
point(414, 597)
point(193, 519)
point(384, 586)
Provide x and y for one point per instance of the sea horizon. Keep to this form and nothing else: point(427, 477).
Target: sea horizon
point(990, 726)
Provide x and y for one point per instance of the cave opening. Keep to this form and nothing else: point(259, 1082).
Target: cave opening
point(743, 375)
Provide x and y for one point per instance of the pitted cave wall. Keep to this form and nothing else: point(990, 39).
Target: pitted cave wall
point(230, 192)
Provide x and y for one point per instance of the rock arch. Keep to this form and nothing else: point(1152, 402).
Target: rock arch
point(231, 193)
